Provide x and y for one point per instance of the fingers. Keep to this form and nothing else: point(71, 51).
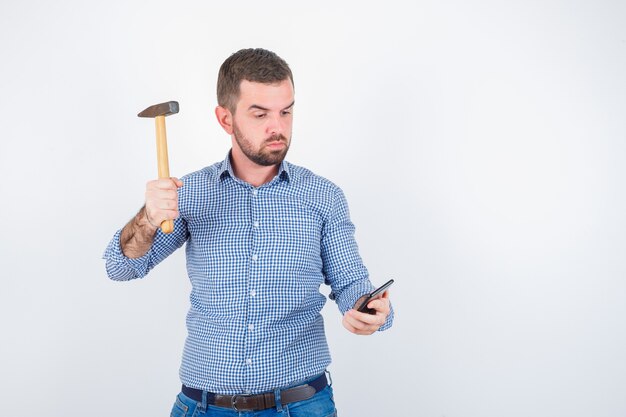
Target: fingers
point(381, 305)
point(363, 323)
point(165, 183)
point(162, 199)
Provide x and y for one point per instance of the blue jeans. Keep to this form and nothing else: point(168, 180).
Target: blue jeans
point(320, 405)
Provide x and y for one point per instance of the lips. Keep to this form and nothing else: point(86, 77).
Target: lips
point(277, 144)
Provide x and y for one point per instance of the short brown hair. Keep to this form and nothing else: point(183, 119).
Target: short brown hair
point(255, 65)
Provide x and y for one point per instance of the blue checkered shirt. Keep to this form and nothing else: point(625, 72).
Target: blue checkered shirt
point(256, 257)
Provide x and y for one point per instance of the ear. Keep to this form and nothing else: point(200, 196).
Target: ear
point(225, 119)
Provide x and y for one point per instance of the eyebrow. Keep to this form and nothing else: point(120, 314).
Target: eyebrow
point(257, 107)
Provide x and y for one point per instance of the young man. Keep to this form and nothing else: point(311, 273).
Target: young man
point(262, 235)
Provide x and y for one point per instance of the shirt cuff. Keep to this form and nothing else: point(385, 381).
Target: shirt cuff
point(349, 296)
point(120, 267)
point(389, 320)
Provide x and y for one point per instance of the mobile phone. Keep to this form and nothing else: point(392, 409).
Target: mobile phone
point(373, 295)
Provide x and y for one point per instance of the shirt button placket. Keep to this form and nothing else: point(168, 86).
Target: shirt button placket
point(253, 275)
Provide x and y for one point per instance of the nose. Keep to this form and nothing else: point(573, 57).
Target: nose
point(275, 125)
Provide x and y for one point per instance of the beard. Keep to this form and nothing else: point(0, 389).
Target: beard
point(263, 156)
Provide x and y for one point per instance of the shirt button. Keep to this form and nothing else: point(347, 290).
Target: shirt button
point(250, 326)
point(255, 192)
point(255, 257)
point(248, 361)
point(255, 224)
point(252, 293)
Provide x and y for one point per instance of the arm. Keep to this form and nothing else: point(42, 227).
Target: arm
point(137, 236)
point(161, 204)
point(346, 274)
point(140, 246)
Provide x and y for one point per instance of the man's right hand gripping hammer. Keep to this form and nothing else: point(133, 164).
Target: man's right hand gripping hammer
point(162, 200)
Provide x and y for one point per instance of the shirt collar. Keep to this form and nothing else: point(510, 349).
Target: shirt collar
point(227, 168)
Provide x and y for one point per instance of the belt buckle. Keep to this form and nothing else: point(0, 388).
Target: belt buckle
point(233, 401)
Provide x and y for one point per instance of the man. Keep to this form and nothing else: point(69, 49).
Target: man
point(262, 235)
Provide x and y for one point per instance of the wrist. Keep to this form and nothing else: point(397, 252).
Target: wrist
point(150, 221)
point(143, 220)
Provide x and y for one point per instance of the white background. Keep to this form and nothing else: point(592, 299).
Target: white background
point(481, 146)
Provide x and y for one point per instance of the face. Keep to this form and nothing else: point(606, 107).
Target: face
point(263, 120)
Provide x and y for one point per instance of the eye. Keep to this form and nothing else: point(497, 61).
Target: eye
point(260, 115)
point(286, 112)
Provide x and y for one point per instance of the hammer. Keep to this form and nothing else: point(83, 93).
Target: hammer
point(159, 111)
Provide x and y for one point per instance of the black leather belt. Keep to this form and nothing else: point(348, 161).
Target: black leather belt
point(245, 402)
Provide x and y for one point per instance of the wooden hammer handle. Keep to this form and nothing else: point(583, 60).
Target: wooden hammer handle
point(167, 226)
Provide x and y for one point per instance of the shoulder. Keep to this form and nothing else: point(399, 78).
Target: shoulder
point(306, 179)
point(314, 191)
point(197, 184)
point(202, 177)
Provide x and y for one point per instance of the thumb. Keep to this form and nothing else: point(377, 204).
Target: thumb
point(178, 182)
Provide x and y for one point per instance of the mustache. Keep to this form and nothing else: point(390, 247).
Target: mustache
point(276, 138)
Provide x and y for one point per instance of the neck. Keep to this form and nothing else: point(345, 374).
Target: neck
point(250, 172)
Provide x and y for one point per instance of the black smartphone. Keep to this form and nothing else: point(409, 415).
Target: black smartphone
point(374, 294)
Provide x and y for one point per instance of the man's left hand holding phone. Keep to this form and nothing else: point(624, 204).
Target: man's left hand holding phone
point(370, 312)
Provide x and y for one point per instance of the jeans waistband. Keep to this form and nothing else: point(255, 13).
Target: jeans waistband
point(247, 402)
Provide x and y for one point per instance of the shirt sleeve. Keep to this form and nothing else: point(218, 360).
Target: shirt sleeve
point(119, 267)
point(342, 265)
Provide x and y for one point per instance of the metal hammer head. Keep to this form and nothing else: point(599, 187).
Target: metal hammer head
point(163, 109)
